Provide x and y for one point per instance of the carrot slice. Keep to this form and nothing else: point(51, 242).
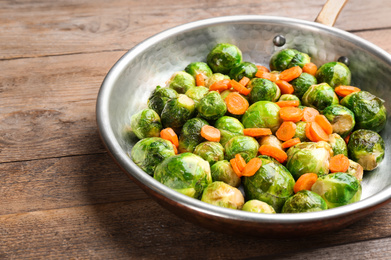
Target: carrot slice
point(266, 75)
point(286, 131)
point(310, 68)
point(288, 103)
point(256, 132)
point(252, 167)
point(262, 68)
point(210, 133)
point(236, 104)
point(220, 85)
point(339, 163)
point(235, 167)
point(274, 152)
point(347, 139)
point(244, 81)
point(293, 114)
point(240, 162)
point(239, 87)
point(285, 87)
point(291, 142)
point(309, 114)
point(175, 149)
point(308, 132)
point(305, 182)
point(291, 73)
point(343, 91)
point(324, 123)
point(200, 81)
point(170, 135)
point(318, 133)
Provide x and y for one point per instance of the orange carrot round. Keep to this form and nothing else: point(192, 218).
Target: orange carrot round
point(288, 103)
point(262, 68)
point(244, 81)
point(343, 91)
point(170, 135)
point(285, 87)
point(175, 149)
point(220, 85)
point(305, 182)
point(318, 133)
point(235, 167)
point(236, 104)
point(324, 123)
point(339, 163)
point(266, 75)
point(200, 81)
point(239, 87)
point(240, 162)
point(347, 139)
point(291, 142)
point(291, 73)
point(210, 133)
point(310, 68)
point(256, 132)
point(293, 114)
point(274, 152)
point(286, 131)
point(308, 132)
point(309, 114)
point(252, 167)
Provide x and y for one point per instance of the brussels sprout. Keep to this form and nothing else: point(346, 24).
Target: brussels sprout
point(244, 69)
point(221, 194)
point(212, 106)
point(334, 74)
point(246, 146)
point(304, 201)
point(177, 111)
point(214, 78)
point(289, 97)
point(300, 131)
point(149, 152)
point(356, 170)
point(159, 98)
point(368, 110)
point(186, 173)
point(272, 184)
point(229, 127)
point(309, 157)
point(223, 57)
point(196, 68)
point(288, 58)
point(320, 96)
point(258, 206)
point(146, 123)
point(181, 81)
point(262, 114)
point(222, 171)
point(263, 89)
point(338, 189)
point(197, 93)
point(366, 147)
point(338, 144)
point(190, 135)
point(341, 118)
point(302, 83)
point(270, 140)
point(211, 152)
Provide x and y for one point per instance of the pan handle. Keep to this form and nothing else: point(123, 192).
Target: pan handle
point(330, 11)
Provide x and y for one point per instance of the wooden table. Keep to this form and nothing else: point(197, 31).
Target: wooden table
point(62, 196)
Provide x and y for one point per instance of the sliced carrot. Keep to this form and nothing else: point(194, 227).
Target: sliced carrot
point(293, 114)
point(343, 91)
point(244, 81)
point(324, 123)
point(339, 163)
point(220, 85)
point(285, 87)
point(175, 149)
point(309, 114)
point(170, 135)
point(274, 152)
point(257, 132)
point(308, 132)
point(200, 81)
point(262, 68)
point(252, 167)
point(239, 87)
point(291, 73)
point(210, 133)
point(286, 131)
point(318, 133)
point(347, 139)
point(235, 167)
point(288, 103)
point(291, 142)
point(236, 104)
point(240, 162)
point(305, 182)
point(266, 75)
point(310, 68)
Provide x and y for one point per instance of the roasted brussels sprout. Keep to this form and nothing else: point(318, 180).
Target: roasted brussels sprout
point(190, 135)
point(221, 194)
point(197, 93)
point(366, 147)
point(304, 201)
point(338, 144)
point(258, 206)
point(270, 140)
point(289, 97)
point(149, 152)
point(263, 89)
point(186, 173)
point(229, 127)
point(338, 189)
point(181, 81)
point(300, 131)
point(222, 171)
point(334, 74)
point(244, 69)
point(320, 96)
point(159, 98)
point(196, 68)
point(272, 184)
point(212, 106)
point(368, 110)
point(262, 114)
point(302, 83)
point(214, 78)
point(211, 152)
point(246, 146)
point(356, 170)
point(177, 111)
point(309, 157)
point(288, 58)
point(146, 123)
point(341, 118)
point(223, 57)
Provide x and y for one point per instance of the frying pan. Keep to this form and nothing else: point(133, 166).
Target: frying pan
point(128, 84)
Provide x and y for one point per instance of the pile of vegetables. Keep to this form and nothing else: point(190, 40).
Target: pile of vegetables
point(295, 138)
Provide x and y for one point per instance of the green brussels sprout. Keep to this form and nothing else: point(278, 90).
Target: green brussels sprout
point(246, 146)
point(244, 69)
point(302, 83)
point(262, 114)
point(177, 111)
point(272, 184)
point(229, 127)
point(334, 74)
point(270, 140)
point(356, 170)
point(196, 68)
point(222, 171)
point(258, 206)
point(263, 89)
point(212, 106)
point(309, 157)
point(149, 152)
point(288, 58)
point(320, 96)
point(300, 131)
point(197, 93)
point(159, 98)
point(190, 135)
point(186, 173)
point(304, 201)
point(338, 144)
point(223, 57)
point(366, 147)
point(211, 152)
point(368, 110)
point(221, 194)
point(181, 81)
point(338, 189)
point(214, 78)
point(289, 97)
point(341, 118)
point(146, 123)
